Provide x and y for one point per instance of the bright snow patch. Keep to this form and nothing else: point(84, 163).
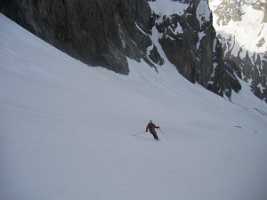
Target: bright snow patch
point(69, 131)
point(203, 12)
point(200, 37)
point(178, 29)
point(168, 7)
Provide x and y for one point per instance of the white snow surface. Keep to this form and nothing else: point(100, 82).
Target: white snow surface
point(69, 131)
point(178, 29)
point(203, 12)
point(201, 35)
point(168, 7)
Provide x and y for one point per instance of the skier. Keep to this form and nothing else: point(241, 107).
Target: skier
point(151, 127)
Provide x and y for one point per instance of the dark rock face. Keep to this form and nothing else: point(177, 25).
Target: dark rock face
point(106, 32)
point(97, 32)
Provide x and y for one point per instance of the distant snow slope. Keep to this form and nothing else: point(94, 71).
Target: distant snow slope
point(244, 20)
point(242, 29)
point(68, 131)
point(168, 7)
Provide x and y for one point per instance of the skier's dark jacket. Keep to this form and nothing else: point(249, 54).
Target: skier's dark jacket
point(151, 127)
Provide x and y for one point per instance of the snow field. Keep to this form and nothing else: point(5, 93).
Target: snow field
point(69, 131)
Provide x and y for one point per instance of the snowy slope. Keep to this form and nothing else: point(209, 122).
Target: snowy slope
point(69, 131)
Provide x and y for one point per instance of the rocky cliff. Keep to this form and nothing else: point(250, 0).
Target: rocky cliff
point(107, 32)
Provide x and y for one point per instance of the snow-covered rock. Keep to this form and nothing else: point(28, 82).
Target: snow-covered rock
point(241, 26)
point(186, 35)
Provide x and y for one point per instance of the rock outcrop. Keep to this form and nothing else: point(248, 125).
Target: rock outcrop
point(98, 32)
point(189, 42)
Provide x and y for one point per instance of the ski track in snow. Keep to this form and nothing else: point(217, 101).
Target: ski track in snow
point(69, 131)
